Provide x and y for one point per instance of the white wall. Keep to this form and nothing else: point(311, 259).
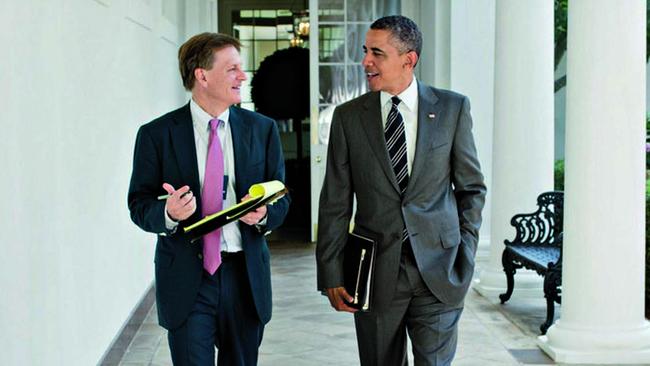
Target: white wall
point(78, 77)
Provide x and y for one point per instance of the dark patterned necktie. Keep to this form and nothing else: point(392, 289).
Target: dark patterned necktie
point(396, 145)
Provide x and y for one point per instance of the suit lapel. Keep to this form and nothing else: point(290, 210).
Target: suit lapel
point(241, 142)
point(373, 126)
point(182, 137)
point(428, 130)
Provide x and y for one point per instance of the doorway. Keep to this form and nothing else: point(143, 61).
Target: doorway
point(264, 27)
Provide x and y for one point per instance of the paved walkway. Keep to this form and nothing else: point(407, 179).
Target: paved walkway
point(305, 331)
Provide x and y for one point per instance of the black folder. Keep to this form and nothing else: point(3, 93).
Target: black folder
point(358, 270)
point(260, 194)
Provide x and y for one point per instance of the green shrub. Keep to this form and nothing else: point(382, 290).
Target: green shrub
point(647, 253)
point(559, 175)
point(647, 221)
point(647, 144)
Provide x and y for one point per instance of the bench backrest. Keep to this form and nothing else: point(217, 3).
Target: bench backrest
point(543, 227)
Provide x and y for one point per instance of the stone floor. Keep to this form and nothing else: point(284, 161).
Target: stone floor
point(305, 331)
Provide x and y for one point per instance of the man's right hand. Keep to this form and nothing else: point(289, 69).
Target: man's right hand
point(337, 297)
point(181, 203)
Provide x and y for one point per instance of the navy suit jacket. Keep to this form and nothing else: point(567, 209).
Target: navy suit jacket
point(165, 152)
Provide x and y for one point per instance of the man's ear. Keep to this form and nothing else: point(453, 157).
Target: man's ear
point(411, 59)
point(199, 75)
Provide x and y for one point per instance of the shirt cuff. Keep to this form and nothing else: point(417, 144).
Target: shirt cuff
point(262, 222)
point(261, 225)
point(170, 224)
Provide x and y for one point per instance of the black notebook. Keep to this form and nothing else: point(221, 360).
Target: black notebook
point(358, 270)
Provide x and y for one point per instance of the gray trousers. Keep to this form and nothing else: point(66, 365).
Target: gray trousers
point(431, 325)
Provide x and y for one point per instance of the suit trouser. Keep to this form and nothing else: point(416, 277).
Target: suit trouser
point(224, 316)
point(432, 326)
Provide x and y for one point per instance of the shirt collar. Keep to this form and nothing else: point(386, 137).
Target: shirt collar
point(201, 118)
point(409, 96)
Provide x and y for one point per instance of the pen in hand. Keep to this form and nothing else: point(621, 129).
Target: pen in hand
point(166, 196)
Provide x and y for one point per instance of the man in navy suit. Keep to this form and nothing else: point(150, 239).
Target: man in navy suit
point(216, 291)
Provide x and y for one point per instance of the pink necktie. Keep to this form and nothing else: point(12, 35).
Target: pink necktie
point(212, 197)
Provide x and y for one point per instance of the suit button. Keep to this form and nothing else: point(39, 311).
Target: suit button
point(200, 256)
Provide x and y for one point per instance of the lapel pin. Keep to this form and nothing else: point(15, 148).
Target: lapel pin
point(432, 116)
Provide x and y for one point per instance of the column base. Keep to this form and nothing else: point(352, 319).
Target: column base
point(569, 344)
point(483, 250)
point(492, 283)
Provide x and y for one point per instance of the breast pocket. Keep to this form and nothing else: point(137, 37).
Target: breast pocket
point(438, 144)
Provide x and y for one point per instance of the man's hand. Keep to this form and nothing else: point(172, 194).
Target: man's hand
point(337, 295)
point(181, 203)
point(253, 217)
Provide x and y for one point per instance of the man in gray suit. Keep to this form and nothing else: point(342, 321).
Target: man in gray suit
point(406, 151)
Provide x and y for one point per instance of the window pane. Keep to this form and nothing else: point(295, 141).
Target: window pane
point(331, 84)
point(249, 106)
point(359, 10)
point(388, 7)
point(330, 10)
point(283, 44)
point(243, 32)
point(246, 52)
point(246, 88)
point(265, 33)
point(263, 49)
point(246, 13)
point(325, 113)
point(356, 83)
point(356, 40)
point(268, 13)
point(283, 31)
point(331, 43)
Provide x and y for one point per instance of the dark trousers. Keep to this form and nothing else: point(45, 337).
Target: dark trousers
point(431, 325)
point(223, 316)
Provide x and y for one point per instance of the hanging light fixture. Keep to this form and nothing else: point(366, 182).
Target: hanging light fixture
point(300, 28)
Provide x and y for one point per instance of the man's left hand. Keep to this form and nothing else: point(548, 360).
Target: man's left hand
point(253, 217)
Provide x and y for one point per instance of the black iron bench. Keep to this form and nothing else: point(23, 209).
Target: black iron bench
point(538, 246)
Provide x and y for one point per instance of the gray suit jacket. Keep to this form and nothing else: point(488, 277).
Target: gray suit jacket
point(441, 207)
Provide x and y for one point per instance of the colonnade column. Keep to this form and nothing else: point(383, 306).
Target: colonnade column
point(522, 151)
point(602, 318)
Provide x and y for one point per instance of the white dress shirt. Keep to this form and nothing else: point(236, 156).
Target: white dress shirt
point(230, 235)
point(408, 108)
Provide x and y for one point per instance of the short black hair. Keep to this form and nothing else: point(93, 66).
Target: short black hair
point(404, 30)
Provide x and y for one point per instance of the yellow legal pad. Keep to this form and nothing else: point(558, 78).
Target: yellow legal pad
point(265, 193)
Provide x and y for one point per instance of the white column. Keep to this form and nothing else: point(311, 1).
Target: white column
point(442, 42)
point(603, 270)
point(433, 17)
point(522, 152)
point(469, 36)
